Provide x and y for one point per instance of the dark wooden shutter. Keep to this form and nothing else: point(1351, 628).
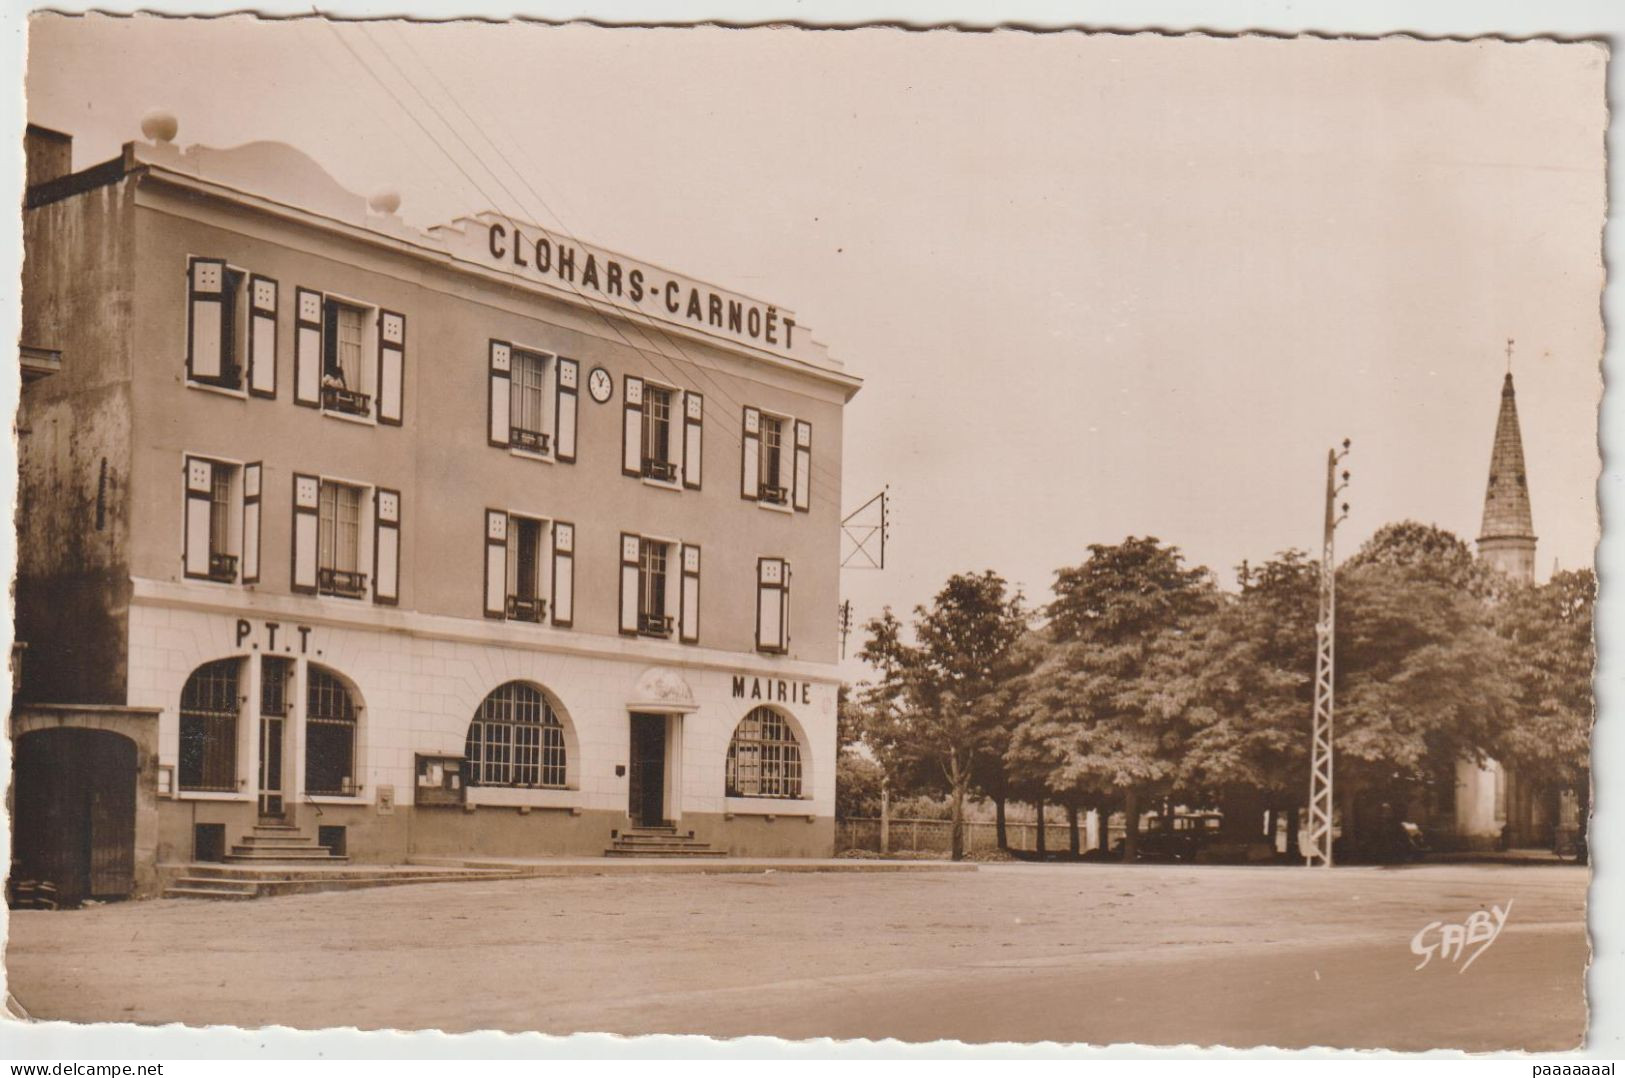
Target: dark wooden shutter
point(386, 547)
point(750, 448)
point(693, 432)
point(391, 366)
point(199, 491)
point(689, 600)
point(262, 305)
point(496, 563)
point(629, 584)
point(564, 574)
point(251, 522)
point(307, 348)
point(498, 410)
point(205, 319)
point(632, 428)
point(307, 492)
point(564, 417)
point(802, 476)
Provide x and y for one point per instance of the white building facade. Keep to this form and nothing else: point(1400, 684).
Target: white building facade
point(473, 540)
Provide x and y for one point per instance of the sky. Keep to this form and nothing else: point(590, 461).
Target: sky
point(1097, 286)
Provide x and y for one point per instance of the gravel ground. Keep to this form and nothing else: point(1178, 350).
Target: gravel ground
point(1072, 952)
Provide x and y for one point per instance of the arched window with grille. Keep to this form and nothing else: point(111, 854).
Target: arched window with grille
point(764, 757)
point(330, 724)
point(210, 702)
point(516, 739)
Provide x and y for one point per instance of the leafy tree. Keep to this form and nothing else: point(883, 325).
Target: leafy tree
point(1094, 727)
point(1549, 630)
point(1429, 551)
point(1422, 680)
point(857, 785)
point(1238, 684)
point(936, 704)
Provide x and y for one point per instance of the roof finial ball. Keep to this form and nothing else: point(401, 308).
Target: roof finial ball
point(384, 202)
point(160, 125)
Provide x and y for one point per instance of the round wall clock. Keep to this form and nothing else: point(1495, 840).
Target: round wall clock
point(600, 385)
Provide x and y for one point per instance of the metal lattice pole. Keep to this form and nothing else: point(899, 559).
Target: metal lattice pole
point(1320, 762)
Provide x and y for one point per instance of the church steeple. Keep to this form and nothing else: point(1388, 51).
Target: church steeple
point(1507, 539)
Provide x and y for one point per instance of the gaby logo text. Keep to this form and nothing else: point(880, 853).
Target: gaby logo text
point(1450, 942)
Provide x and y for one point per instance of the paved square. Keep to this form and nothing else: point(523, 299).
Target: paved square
point(1096, 953)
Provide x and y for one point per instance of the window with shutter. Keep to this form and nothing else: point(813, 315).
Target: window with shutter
point(499, 368)
point(213, 349)
point(772, 605)
point(802, 496)
point(306, 519)
point(564, 576)
point(773, 490)
point(750, 455)
point(262, 306)
point(689, 615)
point(214, 509)
point(346, 377)
point(251, 523)
point(630, 581)
point(307, 348)
point(391, 367)
point(528, 403)
point(526, 599)
point(653, 556)
point(338, 568)
point(693, 436)
point(496, 563)
point(564, 420)
point(386, 558)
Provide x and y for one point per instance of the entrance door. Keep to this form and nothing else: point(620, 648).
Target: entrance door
point(646, 793)
point(74, 822)
point(274, 678)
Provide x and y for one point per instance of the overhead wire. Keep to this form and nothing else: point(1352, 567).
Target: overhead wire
point(592, 305)
point(830, 479)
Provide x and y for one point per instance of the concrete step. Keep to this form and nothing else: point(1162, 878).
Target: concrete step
point(217, 885)
point(240, 854)
point(256, 871)
point(657, 847)
point(218, 896)
point(293, 839)
point(233, 883)
point(665, 837)
point(623, 852)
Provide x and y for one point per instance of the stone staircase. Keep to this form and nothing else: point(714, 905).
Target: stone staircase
point(278, 843)
point(280, 859)
point(240, 882)
point(659, 842)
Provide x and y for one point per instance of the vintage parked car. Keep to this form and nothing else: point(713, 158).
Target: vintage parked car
point(1179, 836)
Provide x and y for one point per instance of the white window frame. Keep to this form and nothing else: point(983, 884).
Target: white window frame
point(544, 566)
point(786, 477)
point(234, 517)
point(364, 545)
point(370, 313)
point(549, 404)
point(675, 432)
point(673, 592)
